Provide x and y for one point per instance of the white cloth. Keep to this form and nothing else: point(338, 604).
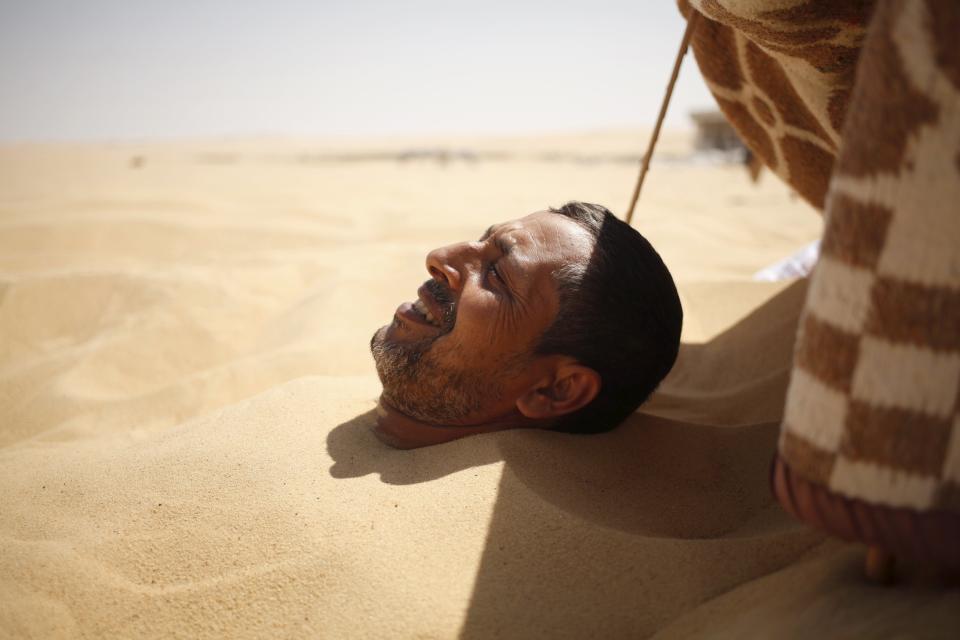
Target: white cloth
point(797, 265)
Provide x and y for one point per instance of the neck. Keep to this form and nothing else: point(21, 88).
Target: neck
point(401, 431)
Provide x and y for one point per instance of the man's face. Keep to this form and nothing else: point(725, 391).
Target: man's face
point(461, 352)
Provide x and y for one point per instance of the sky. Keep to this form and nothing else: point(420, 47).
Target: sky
point(139, 69)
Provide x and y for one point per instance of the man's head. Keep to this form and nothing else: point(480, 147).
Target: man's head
point(566, 319)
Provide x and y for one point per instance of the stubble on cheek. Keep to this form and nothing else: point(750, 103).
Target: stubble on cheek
point(419, 382)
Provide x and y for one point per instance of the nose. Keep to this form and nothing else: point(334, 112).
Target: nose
point(450, 264)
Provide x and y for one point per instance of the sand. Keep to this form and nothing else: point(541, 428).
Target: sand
point(186, 395)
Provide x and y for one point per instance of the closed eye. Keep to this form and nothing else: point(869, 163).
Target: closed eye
point(493, 273)
point(496, 281)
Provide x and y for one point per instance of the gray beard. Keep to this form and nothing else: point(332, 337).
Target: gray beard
point(421, 387)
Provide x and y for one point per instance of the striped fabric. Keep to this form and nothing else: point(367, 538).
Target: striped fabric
point(873, 409)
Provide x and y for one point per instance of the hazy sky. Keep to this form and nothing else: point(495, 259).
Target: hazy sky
point(105, 69)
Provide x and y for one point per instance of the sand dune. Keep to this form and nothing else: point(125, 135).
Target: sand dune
point(186, 396)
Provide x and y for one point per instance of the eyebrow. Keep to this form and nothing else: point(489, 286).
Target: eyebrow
point(504, 247)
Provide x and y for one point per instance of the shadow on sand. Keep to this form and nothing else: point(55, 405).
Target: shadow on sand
point(615, 535)
point(357, 452)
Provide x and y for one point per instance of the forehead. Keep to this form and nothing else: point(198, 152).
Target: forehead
point(543, 241)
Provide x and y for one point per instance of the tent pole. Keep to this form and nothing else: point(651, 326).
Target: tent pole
point(687, 34)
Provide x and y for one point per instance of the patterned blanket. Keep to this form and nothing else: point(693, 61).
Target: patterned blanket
point(860, 111)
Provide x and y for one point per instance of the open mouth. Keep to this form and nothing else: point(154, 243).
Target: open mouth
point(420, 307)
point(433, 308)
point(437, 304)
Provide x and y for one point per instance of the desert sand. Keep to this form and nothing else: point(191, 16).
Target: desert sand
point(186, 397)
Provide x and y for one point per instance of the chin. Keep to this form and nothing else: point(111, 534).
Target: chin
point(379, 336)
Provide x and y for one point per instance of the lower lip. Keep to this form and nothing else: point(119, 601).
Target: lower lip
point(408, 314)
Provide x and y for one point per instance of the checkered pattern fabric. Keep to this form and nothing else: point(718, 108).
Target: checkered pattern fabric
point(873, 408)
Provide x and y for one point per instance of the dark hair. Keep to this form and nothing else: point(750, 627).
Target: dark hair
point(619, 314)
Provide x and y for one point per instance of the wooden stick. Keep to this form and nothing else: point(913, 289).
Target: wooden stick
point(687, 34)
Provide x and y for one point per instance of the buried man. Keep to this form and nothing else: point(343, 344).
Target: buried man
point(566, 319)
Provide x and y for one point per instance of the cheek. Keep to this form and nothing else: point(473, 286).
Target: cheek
point(478, 336)
point(479, 316)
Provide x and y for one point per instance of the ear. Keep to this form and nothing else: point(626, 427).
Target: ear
point(571, 386)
